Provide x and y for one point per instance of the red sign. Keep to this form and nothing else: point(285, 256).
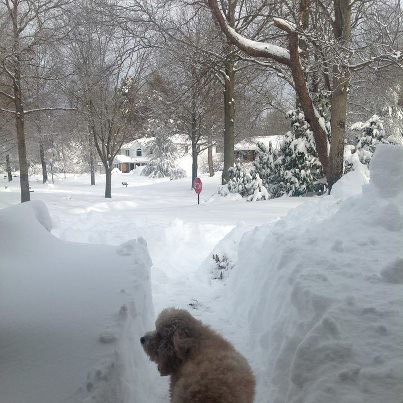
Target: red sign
point(197, 185)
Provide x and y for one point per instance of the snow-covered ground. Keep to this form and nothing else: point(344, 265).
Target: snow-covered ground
point(314, 298)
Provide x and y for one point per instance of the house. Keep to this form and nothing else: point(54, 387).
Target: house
point(139, 152)
point(134, 154)
point(246, 150)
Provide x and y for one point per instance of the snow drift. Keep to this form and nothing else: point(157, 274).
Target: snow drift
point(319, 295)
point(71, 315)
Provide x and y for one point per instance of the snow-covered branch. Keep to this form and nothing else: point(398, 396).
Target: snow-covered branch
point(6, 110)
point(5, 94)
point(284, 25)
point(48, 109)
point(252, 48)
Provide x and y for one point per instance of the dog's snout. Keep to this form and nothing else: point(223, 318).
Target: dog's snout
point(142, 340)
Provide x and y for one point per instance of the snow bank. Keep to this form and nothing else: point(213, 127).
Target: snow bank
point(320, 294)
point(71, 315)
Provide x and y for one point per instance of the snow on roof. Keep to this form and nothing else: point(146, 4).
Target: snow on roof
point(144, 141)
point(120, 159)
point(141, 142)
point(251, 144)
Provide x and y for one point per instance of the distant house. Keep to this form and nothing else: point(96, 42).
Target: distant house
point(133, 154)
point(246, 150)
point(139, 152)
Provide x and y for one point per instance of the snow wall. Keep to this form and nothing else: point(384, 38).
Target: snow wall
point(71, 315)
point(320, 293)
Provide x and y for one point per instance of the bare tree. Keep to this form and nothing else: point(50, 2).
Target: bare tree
point(107, 68)
point(25, 25)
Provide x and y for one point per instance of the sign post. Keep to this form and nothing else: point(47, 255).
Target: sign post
point(197, 186)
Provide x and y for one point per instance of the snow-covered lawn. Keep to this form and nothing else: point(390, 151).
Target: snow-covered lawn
point(314, 298)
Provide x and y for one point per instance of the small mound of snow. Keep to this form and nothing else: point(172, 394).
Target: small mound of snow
point(393, 273)
point(34, 211)
point(387, 170)
point(351, 184)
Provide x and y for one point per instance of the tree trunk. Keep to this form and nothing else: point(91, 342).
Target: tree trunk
point(108, 181)
point(229, 115)
point(19, 124)
point(91, 158)
point(341, 81)
point(229, 97)
point(43, 163)
point(210, 156)
point(194, 162)
point(194, 142)
point(19, 109)
point(8, 168)
point(338, 127)
point(51, 172)
point(22, 152)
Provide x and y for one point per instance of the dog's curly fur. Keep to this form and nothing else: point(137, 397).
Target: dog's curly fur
point(203, 366)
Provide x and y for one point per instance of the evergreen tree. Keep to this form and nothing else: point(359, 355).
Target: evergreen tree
point(372, 134)
point(294, 169)
point(163, 161)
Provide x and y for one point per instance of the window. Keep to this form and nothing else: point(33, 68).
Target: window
point(127, 153)
point(138, 152)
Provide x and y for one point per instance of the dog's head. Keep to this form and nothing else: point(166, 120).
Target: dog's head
point(176, 335)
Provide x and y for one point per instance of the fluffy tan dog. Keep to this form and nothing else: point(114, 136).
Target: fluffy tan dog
point(203, 366)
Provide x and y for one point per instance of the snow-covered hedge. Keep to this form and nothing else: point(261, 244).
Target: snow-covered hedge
point(247, 184)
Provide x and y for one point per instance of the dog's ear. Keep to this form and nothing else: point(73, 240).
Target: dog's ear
point(183, 343)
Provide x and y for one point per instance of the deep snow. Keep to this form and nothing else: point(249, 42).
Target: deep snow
point(319, 294)
point(71, 314)
point(314, 299)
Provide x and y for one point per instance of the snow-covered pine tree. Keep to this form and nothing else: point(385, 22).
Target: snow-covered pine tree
point(372, 134)
point(294, 169)
point(163, 161)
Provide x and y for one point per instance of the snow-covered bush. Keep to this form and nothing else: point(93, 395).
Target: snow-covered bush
point(163, 161)
point(247, 184)
point(372, 133)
